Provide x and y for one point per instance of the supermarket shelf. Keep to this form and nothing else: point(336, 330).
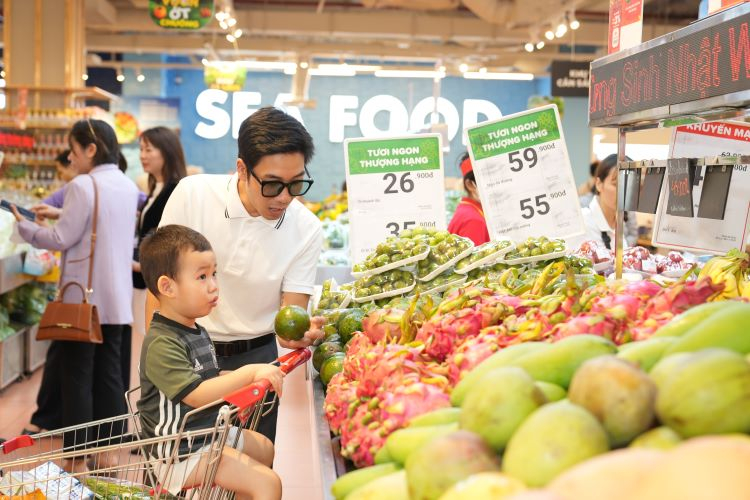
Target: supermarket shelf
point(8, 121)
point(331, 463)
point(85, 92)
point(12, 356)
point(11, 273)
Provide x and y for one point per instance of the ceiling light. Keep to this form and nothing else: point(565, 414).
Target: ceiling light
point(224, 25)
point(498, 76)
point(305, 65)
point(575, 24)
point(549, 35)
point(140, 77)
point(231, 22)
point(230, 38)
point(561, 30)
point(84, 77)
point(396, 73)
point(120, 76)
point(237, 33)
point(355, 67)
point(2, 73)
point(463, 68)
point(540, 45)
point(529, 47)
point(342, 70)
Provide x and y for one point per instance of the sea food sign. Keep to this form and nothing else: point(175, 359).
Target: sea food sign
point(181, 14)
point(708, 59)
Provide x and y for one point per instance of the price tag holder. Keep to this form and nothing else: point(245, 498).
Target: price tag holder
point(680, 176)
point(393, 184)
point(648, 199)
point(632, 183)
point(716, 182)
point(708, 235)
point(523, 173)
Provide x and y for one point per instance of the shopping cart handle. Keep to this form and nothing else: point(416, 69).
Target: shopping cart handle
point(292, 360)
point(249, 395)
point(12, 445)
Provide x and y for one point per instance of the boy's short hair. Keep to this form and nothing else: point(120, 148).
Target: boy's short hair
point(160, 252)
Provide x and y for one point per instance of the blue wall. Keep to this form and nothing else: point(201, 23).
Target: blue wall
point(219, 155)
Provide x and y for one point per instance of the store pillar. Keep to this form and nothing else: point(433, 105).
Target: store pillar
point(44, 48)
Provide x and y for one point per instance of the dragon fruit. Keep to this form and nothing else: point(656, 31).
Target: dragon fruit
point(383, 325)
point(389, 410)
point(390, 362)
point(471, 352)
point(341, 394)
point(594, 324)
point(442, 334)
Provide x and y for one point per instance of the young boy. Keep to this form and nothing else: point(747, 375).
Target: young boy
point(179, 371)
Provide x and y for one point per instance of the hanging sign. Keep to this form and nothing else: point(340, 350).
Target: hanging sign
point(226, 76)
point(625, 24)
point(680, 176)
point(570, 78)
point(717, 5)
point(181, 14)
point(523, 172)
point(393, 184)
point(706, 233)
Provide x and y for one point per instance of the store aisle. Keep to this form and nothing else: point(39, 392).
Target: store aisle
point(294, 448)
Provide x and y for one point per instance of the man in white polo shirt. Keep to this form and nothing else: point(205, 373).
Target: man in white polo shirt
point(267, 243)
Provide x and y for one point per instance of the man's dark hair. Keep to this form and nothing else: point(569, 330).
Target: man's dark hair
point(270, 131)
point(62, 158)
point(161, 250)
point(98, 132)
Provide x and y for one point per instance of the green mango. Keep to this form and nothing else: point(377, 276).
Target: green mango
point(558, 364)
point(504, 357)
point(441, 416)
point(382, 456)
point(404, 442)
point(728, 329)
point(394, 486)
point(645, 353)
point(552, 392)
point(350, 481)
point(661, 438)
point(682, 323)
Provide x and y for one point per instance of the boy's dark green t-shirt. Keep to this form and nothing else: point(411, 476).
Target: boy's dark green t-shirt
point(175, 360)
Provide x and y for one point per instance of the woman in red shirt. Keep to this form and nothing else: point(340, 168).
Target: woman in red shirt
point(468, 221)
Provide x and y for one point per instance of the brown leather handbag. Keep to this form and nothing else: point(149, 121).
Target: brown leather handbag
point(74, 322)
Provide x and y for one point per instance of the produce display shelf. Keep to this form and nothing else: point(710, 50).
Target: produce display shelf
point(11, 273)
point(332, 464)
point(35, 351)
point(12, 356)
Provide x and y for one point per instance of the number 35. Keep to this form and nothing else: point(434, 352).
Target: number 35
point(542, 207)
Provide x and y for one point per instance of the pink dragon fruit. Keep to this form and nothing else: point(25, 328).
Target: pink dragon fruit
point(594, 324)
point(471, 352)
point(442, 334)
point(355, 364)
point(341, 395)
point(383, 325)
point(411, 398)
point(361, 435)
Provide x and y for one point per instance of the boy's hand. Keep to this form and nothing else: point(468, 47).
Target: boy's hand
point(314, 334)
point(271, 373)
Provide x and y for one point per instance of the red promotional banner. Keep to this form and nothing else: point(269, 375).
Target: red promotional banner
point(625, 24)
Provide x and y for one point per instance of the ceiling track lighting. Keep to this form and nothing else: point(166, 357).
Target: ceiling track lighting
point(120, 75)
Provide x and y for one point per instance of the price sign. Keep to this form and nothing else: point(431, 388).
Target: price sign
point(680, 195)
point(524, 177)
point(393, 184)
point(708, 235)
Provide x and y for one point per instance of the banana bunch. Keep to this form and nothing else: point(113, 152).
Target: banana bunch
point(732, 271)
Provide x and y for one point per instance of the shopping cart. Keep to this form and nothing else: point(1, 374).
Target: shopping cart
point(111, 458)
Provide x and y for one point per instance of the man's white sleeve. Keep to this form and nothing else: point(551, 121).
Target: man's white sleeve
point(300, 278)
point(176, 209)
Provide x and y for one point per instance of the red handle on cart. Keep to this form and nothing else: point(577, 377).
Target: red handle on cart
point(12, 445)
point(252, 394)
point(292, 360)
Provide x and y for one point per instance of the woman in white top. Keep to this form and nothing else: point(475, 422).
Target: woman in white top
point(599, 215)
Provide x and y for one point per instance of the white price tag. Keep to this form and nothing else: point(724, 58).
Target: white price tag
point(524, 177)
point(695, 234)
point(393, 184)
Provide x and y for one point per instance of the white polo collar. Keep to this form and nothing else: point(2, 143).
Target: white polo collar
point(236, 210)
point(598, 216)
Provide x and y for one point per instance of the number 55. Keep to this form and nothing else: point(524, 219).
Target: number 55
point(542, 207)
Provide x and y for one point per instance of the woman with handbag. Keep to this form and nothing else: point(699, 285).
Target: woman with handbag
point(94, 232)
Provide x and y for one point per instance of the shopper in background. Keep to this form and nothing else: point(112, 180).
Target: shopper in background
point(163, 160)
point(586, 190)
point(599, 215)
point(90, 374)
point(468, 220)
point(267, 243)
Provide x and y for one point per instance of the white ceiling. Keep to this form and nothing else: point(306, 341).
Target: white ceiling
point(449, 31)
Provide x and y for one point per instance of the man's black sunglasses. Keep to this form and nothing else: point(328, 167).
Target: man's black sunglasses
point(271, 189)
